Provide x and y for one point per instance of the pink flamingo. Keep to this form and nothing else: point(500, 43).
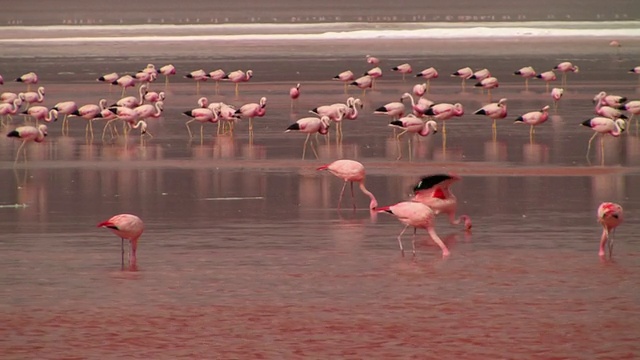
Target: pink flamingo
point(494, 111)
point(28, 134)
point(66, 108)
point(556, 95)
point(294, 93)
point(32, 97)
point(28, 78)
point(125, 81)
point(197, 76)
point(372, 60)
point(527, 73)
point(350, 171)
point(635, 70)
point(146, 78)
point(610, 216)
point(88, 112)
point(42, 113)
point(8, 97)
point(418, 108)
point(217, 75)
point(419, 89)
point(481, 74)
point(201, 115)
point(364, 83)
point(602, 125)
point(146, 111)
point(608, 111)
point(252, 110)
point(393, 109)
point(375, 73)
point(153, 96)
point(463, 73)
point(488, 83)
point(566, 67)
point(239, 76)
point(6, 110)
point(413, 125)
point(445, 111)
point(633, 107)
point(430, 73)
point(336, 112)
point(534, 118)
point(609, 100)
point(167, 70)
point(310, 125)
point(418, 215)
point(133, 101)
point(126, 226)
point(1, 80)
point(404, 69)
point(109, 79)
point(346, 77)
point(547, 76)
point(434, 191)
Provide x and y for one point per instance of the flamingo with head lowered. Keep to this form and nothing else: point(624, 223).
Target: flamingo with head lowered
point(610, 216)
point(350, 171)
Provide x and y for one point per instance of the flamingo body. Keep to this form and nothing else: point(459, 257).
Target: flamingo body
point(610, 216)
point(350, 171)
point(435, 192)
point(127, 227)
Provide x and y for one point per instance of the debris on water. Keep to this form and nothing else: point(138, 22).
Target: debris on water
point(13, 206)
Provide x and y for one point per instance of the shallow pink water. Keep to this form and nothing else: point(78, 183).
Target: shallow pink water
point(246, 256)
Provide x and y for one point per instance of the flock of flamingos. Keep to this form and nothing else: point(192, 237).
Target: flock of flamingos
point(432, 194)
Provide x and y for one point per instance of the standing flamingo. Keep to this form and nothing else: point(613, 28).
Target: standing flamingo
point(609, 100)
point(350, 171)
point(239, 76)
point(418, 108)
point(294, 94)
point(125, 81)
point(633, 108)
point(556, 95)
point(346, 77)
point(547, 76)
point(494, 111)
point(602, 125)
point(6, 110)
point(27, 134)
point(393, 109)
point(566, 67)
point(428, 74)
point(418, 215)
point(167, 70)
point(375, 73)
point(463, 73)
point(610, 216)
point(488, 83)
point(42, 113)
point(197, 76)
point(28, 78)
point(88, 112)
point(201, 115)
point(481, 74)
point(534, 118)
point(444, 111)
point(32, 97)
point(66, 108)
point(364, 83)
point(635, 70)
point(252, 110)
point(434, 191)
point(217, 75)
point(126, 226)
point(9, 97)
point(146, 111)
point(419, 89)
point(527, 73)
point(336, 112)
point(404, 69)
point(1, 80)
point(109, 79)
point(153, 96)
point(372, 60)
point(413, 125)
point(310, 125)
point(608, 111)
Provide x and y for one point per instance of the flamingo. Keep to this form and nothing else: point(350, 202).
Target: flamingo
point(201, 115)
point(602, 125)
point(6, 110)
point(167, 70)
point(413, 125)
point(109, 78)
point(372, 60)
point(430, 73)
point(143, 130)
point(494, 111)
point(547, 76)
point(217, 75)
point(336, 112)
point(310, 125)
point(527, 73)
point(566, 67)
point(608, 111)
point(481, 74)
point(556, 95)
point(635, 70)
point(252, 110)
point(534, 118)
point(28, 78)
point(149, 110)
point(419, 89)
point(445, 111)
point(393, 109)
point(152, 96)
point(150, 69)
point(463, 73)
point(375, 73)
point(421, 107)
point(8, 97)
point(364, 82)
point(616, 44)
point(66, 108)
point(146, 78)
point(42, 113)
point(633, 107)
point(1, 80)
point(27, 134)
point(403, 69)
point(350, 171)
point(32, 97)
point(418, 215)
point(226, 113)
point(126, 226)
point(239, 76)
point(125, 81)
point(488, 83)
point(346, 77)
point(609, 100)
point(133, 101)
point(294, 93)
point(129, 116)
point(610, 216)
point(89, 112)
point(434, 191)
point(197, 76)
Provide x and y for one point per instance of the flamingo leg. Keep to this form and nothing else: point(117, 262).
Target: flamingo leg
point(237, 89)
point(304, 148)
point(123, 90)
point(602, 148)
point(250, 124)
point(399, 143)
point(400, 239)
point(18, 153)
point(345, 88)
point(526, 84)
point(314, 149)
point(341, 194)
point(603, 241)
point(589, 146)
point(437, 240)
point(188, 129)
point(122, 252)
point(353, 198)
point(611, 243)
point(197, 87)
point(410, 149)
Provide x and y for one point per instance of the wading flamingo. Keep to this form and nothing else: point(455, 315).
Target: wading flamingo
point(217, 75)
point(488, 83)
point(197, 76)
point(126, 226)
point(252, 110)
point(372, 60)
point(167, 70)
point(350, 171)
point(239, 76)
point(364, 83)
point(444, 111)
point(481, 74)
point(534, 118)
point(633, 108)
point(610, 216)
point(635, 70)
point(28, 78)
point(463, 73)
point(66, 108)
point(428, 74)
point(404, 69)
point(494, 111)
point(27, 134)
point(556, 95)
point(602, 125)
point(395, 110)
point(32, 97)
point(434, 191)
point(294, 94)
point(418, 108)
point(41, 113)
point(419, 89)
point(125, 81)
point(109, 79)
point(609, 100)
point(375, 73)
point(547, 76)
point(566, 67)
point(310, 125)
point(346, 77)
point(527, 73)
point(6, 110)
point(133, 101)
point(417, 215)
point(201, 115)
point(413, 125)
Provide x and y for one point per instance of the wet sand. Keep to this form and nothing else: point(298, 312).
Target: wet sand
point(245, 254)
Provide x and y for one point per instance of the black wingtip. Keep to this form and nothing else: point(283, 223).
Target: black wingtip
point(294, 126)
point(428, 182)
point(587, 123)
point(13, 133)
point(480, 112)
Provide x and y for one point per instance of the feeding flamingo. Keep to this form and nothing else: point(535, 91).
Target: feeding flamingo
point(346, 77)
point(566, 67)
point(610, 216)
point(310, 125)
point(428, 74)
point(547, 76)
point(602, 125)
point(126, 226)
point(294, 93)
point(494, 111)
point(239, 76)
point(417, 215)
point(413, 125)
point(534, 118)
point(146, 111)
point(403, 69)
point(252, 110)
point(463, 73)
point(556, 95)
point(28, 134)
point(28, 78)
point(434, 191)
point(350, 171)
point(527, 73)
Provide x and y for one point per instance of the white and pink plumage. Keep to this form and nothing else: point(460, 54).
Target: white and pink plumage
point(147, 111)
point(610, 216)
point(635, 70)
point(481, 74)
point(167, 70)
point(609, 100)
point(534, 118)
point(28, 78)
point(488, 83)
point(463, 73)
point(372, 60)
point(421, 106)
point(88, 112)
point(239, 76)
point(417, 215)
point(42, 113)
point(109, 79)
point(337, 112)
point(1, 80)
point(494, 111)
point(364, 83)
point(32, 97)
point(133, 101)
point(419, 89)
point(197, 76)
point(126, 227)
point(28, 134)
point(310, 125)
point(566, 67)
point(252, 110)
point(633, 108)
point(125, 82)
point(428, 74)
point(413, 125)
point(153, 96)
point(201, 115)
point(434, 191)
point(556, 95)
point(547, 76)
point(294, 94)
point(393, 109)
point(375, 73)
point(9, 97)
point(445, 111)
point(144, 77)
point(602, 125)
point(66, 108)
point(404, 69)
point(527, 73)
point(346, 77)
point(6, 110)
point(608, 111)
point(350, 171)
point(217, 75)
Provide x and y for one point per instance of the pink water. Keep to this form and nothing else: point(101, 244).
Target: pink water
point(245, 255)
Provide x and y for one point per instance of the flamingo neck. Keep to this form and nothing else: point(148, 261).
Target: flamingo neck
point(374, 203)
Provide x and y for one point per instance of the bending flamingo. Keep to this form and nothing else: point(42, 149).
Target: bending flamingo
point(610, 216)
point(434, 191)
point(350, 171)
point(126, 226)
point(609, 100)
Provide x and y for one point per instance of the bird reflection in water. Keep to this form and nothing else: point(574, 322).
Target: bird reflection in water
point(495, 151)
point(533, 153)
